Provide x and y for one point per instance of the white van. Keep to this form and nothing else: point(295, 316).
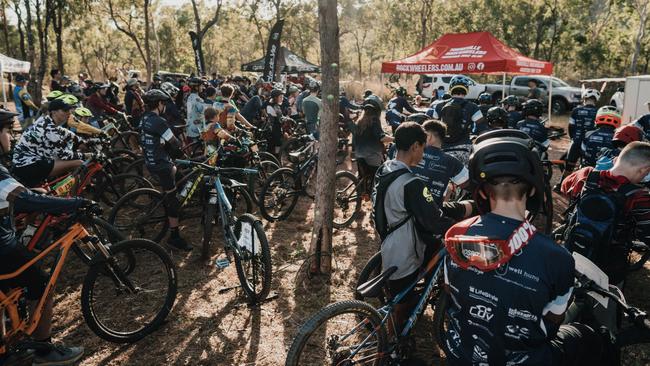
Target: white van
point(429, 83)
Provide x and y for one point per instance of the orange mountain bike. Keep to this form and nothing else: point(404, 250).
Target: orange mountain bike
point(128, 291)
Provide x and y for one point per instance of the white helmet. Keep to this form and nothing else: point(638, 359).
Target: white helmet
point(591, 93)
point(169, 88)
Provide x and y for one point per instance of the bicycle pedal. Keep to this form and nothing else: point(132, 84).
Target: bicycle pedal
point(222, 263)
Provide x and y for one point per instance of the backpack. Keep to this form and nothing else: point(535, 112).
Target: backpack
point(453, 115)
point(378, 198)
point(594, 217)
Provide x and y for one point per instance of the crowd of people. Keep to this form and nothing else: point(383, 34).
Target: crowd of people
point(416, 171)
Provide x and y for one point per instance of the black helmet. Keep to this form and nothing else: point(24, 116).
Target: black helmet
point(155, 95)
point(400, 91)
point(485, 98)
point(497, 117)
point(506, 152)
point(375, 101)
point(6, 116)
point(459, 84)
point(532, 107)
point(275, 93)
point(510, 100)
point(446, 96)
point(367, 93)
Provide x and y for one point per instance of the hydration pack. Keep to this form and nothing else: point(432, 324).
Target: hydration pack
point(453, 115)
point(594, 217)
point(378, 198)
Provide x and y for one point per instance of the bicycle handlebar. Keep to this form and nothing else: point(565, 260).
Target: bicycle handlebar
point(217, 169)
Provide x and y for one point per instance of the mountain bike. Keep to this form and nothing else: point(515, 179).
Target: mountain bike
point(128, 291)
point(355, 332)
point(244, 236)
point(347, 199)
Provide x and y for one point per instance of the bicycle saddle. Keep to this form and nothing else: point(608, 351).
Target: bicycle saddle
point(373, 287)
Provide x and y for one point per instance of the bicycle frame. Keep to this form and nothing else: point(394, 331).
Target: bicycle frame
point(9, 303)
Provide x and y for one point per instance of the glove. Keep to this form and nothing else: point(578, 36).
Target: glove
point(90, 207)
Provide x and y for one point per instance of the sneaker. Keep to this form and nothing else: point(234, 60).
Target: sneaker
point(58, 355)
point(180, 243)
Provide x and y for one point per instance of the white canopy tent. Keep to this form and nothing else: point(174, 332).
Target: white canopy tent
point(8, 64)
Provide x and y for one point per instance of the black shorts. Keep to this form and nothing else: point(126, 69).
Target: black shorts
point(34, 279)
point(34, 174)
point(166, 177)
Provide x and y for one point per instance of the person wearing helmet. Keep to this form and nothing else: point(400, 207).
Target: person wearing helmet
point(292, 96)
point(6, 135)
point(46, 148)
point(53, 95)
point(79, 123)
point(496, 118)
point(460, 116)
point(274, 114)
point(407, 217)
point(398, 108)
point(311, 108)
point(160, 147)
point(507, 304)
point(25, 106)
point(511, 105)
point(155, 84)
point(55, 83)
point(437, 104)
point(581, 121)
point(367, 93)
point(622, 136)
point(607, 121)
point(346, 107)
point(97, 103)
point(194, 107)
point(228, 111)
point(532, 123)
point(172, 114)
point(133, 103)
point(484, 104)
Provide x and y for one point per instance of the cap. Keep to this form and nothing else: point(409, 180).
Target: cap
point(20, 78)
point(131, 82)
point(58, 104)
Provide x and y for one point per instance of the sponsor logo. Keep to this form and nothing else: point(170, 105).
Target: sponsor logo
point(522, 236)
point(463, 52)
point(522, 314)
point(517, 332)
point(471, 66)
point(484, 296)
point(480, 66)
point(481, 312)
point(428, 68)
point(427, 195)
point(478, 355)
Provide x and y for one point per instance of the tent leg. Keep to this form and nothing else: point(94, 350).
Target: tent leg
point(503, 87)
point(550, 100)
point(381, 85)
point(4, 91)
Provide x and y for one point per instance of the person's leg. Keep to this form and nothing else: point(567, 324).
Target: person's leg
point(403, 309)
point(167, 179)
point(577, 344)
point(362, 167)
point(61, 167)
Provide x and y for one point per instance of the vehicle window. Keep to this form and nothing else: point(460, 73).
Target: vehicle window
point(522, 81)
point(446, 79)
point(559, 83)
point(426, 79)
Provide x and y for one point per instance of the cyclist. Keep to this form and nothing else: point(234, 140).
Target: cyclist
point(607, 121)
point(407, 216)
point(252, 110)
point(172, 114)
point(98, 105)
point(13, 256)
point(160, 146)
point(194, 107)
point(6, 136)
point(508, 295)
point(311, 108)
point(46, 148)
point(133, 103)
point(533, 90)
point(24, 104)
point(438, 168)
point(346, 107)
point(622, 136)
point(631, 167)
point(459, 115)
point(274, 114)
point(442, 100)
point(484, 104)
point(511, 105)
point(55, 83)
point(225, 103)
point(496, 118)
point(79, 123)
point(398, 108)
point(155, 84)
point(532, 123)
point(581, 121)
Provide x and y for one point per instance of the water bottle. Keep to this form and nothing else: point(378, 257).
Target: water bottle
point(186, 188)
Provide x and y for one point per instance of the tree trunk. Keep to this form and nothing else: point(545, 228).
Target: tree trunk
point(642, 10)
point(157, 44)
point(57, 25)
point(147, 49)
point(320, 248)
point(43, 17)
point(5, 31)
point(21, 34)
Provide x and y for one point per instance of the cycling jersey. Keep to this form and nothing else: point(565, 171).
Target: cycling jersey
point(434, 106)
point(437, 168)
point(195, 118)
point(99, 106)
point(513, 118)
point(155, 134)
point(45, 140)
point(472, 114)
point(395, 110)
point(594, 142)
point(581, 121)
point(536, 130)
point(24, 103)
point(497, 317)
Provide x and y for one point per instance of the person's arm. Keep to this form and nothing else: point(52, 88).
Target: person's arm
point(243, 120)
point(128, 103)
point(563, 274)
point(27, 201)
point(27, 99)
point(572, 124)
point(461, 178)
point(407, 107)
point(84, 128)
point(419, 202)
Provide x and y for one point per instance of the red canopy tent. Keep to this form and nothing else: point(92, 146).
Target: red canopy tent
point(467, 53)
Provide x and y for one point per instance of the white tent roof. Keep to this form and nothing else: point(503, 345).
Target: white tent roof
point(8, 64)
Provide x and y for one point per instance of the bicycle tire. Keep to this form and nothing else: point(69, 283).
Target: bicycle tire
point(110, 237)
point(152, 215)
point(284, 177)
point(358, 309)
point(101, 269)
point(263, 259)
point(241, 201)
point(115, 187)
point(267, 156)
point(265, 169)
point(344, 197)
point(439, 321)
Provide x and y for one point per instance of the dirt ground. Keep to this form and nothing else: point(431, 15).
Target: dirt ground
point(207, 327)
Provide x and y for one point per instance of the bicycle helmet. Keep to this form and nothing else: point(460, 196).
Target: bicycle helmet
point(502, 153)
point(374, 100)
point(275, 93)
point(155, 95)
point(511, 100)
point(485, 98)
point(532, 107)
point(497, 117)
point(75, 89)
point(169, 88)
point(53, 95)
point(83, 112)
point(626, 134)
point(6, 116)
point(293, 89)
point(156, 77)
point(367, 93)
point(400, 91)
point(69, 99)
point(608, 116)
point(459, 84)
point(591, 93)
point(131, 82)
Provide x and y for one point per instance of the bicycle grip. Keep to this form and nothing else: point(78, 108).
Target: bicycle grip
point(182, 162)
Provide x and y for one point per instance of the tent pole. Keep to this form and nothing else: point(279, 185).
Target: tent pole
point(503, 87)
point(4, 91)
point(381, 84)
point(550, 99)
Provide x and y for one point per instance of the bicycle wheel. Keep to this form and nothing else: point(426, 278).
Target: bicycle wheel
point(332, 335)
point(265, 169)
point(99, 228)
point(124, 308)
point(254, 264)
point(140, 214)
point(347, 199)
point(370, 270)
point(267, 156)
point(114, 187)
point(441, 321)
point(209, 215)
point(279, 195)
point(126, 140)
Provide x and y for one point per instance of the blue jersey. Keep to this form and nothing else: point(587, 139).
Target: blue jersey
point(606, 158)
point(436, 169)
point(155, 134)
point(497, 317)
point(536, 130)
point(594, 142)
point(471, 116)
point(513, 118)
point(582, 121)
point(395, 110)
